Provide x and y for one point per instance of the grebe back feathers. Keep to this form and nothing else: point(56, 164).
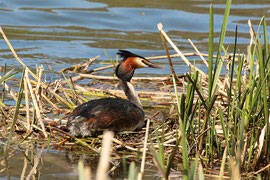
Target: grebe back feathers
point(115, 114)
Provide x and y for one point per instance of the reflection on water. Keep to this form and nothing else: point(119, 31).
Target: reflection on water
point(41, 163)
point(35, 163)
point(60, 33)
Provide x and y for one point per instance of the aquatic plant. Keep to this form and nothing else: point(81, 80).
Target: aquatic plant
point(204, 124)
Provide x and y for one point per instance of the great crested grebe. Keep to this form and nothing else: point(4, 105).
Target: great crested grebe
point(113, 114)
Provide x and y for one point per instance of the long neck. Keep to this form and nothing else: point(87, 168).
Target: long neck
point(131, 93)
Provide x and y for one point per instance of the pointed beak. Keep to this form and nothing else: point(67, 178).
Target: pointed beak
point(149, 64)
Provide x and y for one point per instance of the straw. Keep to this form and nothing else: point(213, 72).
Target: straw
point(35, 104)
point(160, 28)
point(20, 61)
point(105, 154)
point(144, 150)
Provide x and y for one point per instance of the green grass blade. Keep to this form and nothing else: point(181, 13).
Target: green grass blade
point(224, 27)
point(183, 139)
point(69, 84)
point(262, 69)
point(265, 38)
point(232, 66)
point(225, 131)
point(8, 75)
point(157, 162)
point(218, 64)
point(132, 171)
point(193, 169)
point(266, 109)
point(16, 111)
point(210, 48)
point(171, 158)
point(216, 76)
point(222, 168)
point(124, 165)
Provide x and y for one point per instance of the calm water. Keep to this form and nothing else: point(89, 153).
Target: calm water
point(60, 33)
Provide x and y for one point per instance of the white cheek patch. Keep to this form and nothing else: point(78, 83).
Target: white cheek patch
point(140, 63)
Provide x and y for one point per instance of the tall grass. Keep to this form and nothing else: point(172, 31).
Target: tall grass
point(242, 110)
point(227, 126)
point(16, 111)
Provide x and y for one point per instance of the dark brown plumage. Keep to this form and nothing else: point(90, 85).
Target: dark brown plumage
point(113, 114)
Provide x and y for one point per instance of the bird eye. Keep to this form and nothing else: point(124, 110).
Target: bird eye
point(144, 63)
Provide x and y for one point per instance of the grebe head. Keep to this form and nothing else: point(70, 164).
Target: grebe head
point(130, 62)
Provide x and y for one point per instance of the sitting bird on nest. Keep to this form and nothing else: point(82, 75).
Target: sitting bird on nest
point(115, 114)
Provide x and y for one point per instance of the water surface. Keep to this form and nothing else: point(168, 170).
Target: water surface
point(61, 33)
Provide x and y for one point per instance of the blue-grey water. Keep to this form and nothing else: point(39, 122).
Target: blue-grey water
point(61, 33)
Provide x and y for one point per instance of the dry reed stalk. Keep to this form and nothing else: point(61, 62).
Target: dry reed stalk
point(2, 110)
point(36, 162)
point(252, 41)
point(262, 169)
point(56, 85)
point(199, 53)
point(87, 173)
point(149, 58)
point(90, 61)
point(2, 104)
point(59, 98)
point(123, 145)
point(99, 69)
point(66, 95)
point(73, 79)
point(35, 104)
point(164, 57)
point(226, 82)
point(252, 33)
point(86, 145)
point(26, 98)
point(61, 131)
point(78, 89)
point(144, 150)
point(50, 102)
point(120, 92)
point(168, 55)
point(160, 97)
point(40, 71)
point(20, 61)
point(79, 77)
point(98, 77)
point(160, 28)
point(205, 62)
point(11, 92)
point(79, 67)
point(25, 162)
point(14, 52)
point(172, 133)
point(45, 97)
point(73, 68)
point(175, 56)
point(235, 170)
point(157, 164)
point(105, 154)
point(196, 141)
point(81, 99)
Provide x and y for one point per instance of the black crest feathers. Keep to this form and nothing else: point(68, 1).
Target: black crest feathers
point(125, 54)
